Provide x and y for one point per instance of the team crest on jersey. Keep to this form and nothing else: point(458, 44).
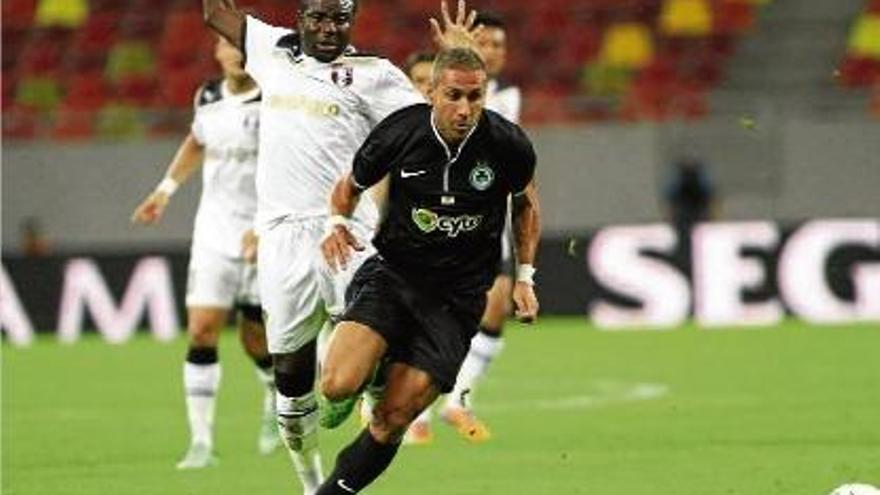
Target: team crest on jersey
point(341, 75)
point(482, 176)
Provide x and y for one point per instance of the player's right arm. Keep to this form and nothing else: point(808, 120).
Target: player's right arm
point(187, 159)
point(225, 19)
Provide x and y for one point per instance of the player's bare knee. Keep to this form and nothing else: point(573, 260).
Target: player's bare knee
point(336, 385)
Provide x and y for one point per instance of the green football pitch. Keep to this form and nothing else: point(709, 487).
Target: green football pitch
point(785, 410)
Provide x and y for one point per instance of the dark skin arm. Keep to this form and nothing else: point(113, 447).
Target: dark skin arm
point(225, 19)
point(527, 232)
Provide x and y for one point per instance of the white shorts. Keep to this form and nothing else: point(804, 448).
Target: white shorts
point(299, 291)
point(218, 281)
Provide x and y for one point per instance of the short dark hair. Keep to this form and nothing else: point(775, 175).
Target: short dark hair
point(456, 58)
point(490, 20)
point(417, 58)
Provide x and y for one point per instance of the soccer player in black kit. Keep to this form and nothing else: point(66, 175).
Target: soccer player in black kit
point(418, 302)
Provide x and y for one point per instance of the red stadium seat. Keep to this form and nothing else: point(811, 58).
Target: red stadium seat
point(20, 123)
point(18, 13)
point(86, 92)
point(96, 36)
point(178, 88)
point(73, 124)
point(136, 90)
point(733, 16)
point(858, 72)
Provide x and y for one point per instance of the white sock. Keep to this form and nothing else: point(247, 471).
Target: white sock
point(267, 378)
point(483, 351)
point(200, 382)
point(298, 426)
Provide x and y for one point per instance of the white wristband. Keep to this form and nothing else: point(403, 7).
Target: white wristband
point(168, 186)
point(525, 273)
point(334, 221)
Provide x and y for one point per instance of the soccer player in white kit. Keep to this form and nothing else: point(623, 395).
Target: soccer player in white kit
point(320, 101)
point(506, 99)
point(223, 139)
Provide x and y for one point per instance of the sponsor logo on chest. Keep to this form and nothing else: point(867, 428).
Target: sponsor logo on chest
point(428, 221)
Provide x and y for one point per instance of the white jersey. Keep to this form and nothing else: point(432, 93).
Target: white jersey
point(504, 99)
point(315, 116)
point(227, 126)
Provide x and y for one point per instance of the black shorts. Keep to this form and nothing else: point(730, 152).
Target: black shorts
point(423, 329)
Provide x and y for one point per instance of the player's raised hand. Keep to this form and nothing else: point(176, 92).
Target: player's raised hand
point(526, 302)
point(151, 209)
point(249, 243)
point(337, 246)
point(459, 33)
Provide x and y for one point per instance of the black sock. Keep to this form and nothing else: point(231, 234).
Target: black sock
point(264, 363)
point(201, 355)
point(358, 465)
point(492, 333)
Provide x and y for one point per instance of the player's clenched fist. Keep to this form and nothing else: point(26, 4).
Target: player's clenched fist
point(150, 210)
point(337, 245)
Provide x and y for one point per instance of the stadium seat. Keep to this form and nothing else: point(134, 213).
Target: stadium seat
point(85, 92)
point(63, 13)
point(686, 18)
point(733, 17)
point(38, 93)
point(627, 45)
point(20, 123)
point(41, 55)
point(72, 124)
point(18, 14)
point(178, 88)
point(14, 40)
point(97, 35)
point(864, 39)
point(136, 90)
point(117, 121)
point(858, 72)
point(129, 58)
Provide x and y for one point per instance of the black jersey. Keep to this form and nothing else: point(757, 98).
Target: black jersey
point(446, 207)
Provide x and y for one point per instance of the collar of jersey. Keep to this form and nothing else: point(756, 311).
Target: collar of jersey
point(442, 141)
point(299, 56)
point(240, 97)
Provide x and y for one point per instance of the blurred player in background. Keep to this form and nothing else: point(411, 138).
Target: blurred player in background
point(418, 67)
point(487, 344)
point(418, 302)
point(320, 101)
point(223, 140)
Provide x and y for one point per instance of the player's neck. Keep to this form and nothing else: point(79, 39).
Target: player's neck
point(238, 85)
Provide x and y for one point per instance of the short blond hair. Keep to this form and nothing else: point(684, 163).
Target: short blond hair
point(456, 58)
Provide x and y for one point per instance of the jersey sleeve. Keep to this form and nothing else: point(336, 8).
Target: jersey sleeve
point(260, 40)
point(392, 92)
point(371, 162)
point(197, 127)
point(522, 159)
point(509, 104)
point(377, 155)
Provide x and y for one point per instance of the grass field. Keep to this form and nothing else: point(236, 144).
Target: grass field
point(788, 410)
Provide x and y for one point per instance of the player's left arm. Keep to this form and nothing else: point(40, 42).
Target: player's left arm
point(527, 233)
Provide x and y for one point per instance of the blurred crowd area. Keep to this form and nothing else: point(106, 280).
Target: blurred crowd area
point(118, 69)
